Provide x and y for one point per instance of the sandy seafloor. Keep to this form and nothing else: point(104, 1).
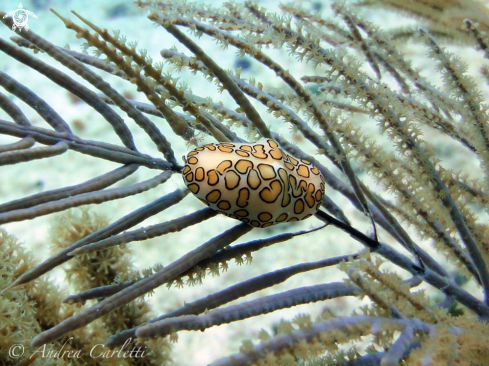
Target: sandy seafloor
point(193, 348)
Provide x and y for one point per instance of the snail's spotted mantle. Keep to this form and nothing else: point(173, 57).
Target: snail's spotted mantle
point(258, 184)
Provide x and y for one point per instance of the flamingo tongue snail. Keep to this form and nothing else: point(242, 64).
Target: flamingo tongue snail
point(258, 184)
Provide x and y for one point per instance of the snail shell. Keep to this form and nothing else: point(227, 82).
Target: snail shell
point(258, 184)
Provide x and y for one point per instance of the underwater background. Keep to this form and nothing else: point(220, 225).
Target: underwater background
point(20, 180)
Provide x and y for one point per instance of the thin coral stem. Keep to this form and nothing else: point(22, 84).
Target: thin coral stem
point(98, 149)
point(176, 124)
point(376, 297)
point(96, 293)
point(439, 234)
point(443, 283)
point(124, 223)
point(152, 110)
point(237, 291)
point(278, 343)
point(357, 36)
point(83, 199)
point(25, 143)
point(481, 38)
point(12, 110)
point(222, 76)
point(291, 117)
point(20, 156)
point(264, 98)
point(120, 129)
point(245, 310)
point(398, 348)
point(35, 102)
point(141, 287)
point(382, 106)
point(148, 232)
point(338, 185)
point(237, 251)
point(72, 86)
point(95, 184)
point(142, 121)
point(293, 84)
point(329, 205)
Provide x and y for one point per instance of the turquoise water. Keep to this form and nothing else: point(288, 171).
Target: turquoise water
point(72, 168)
